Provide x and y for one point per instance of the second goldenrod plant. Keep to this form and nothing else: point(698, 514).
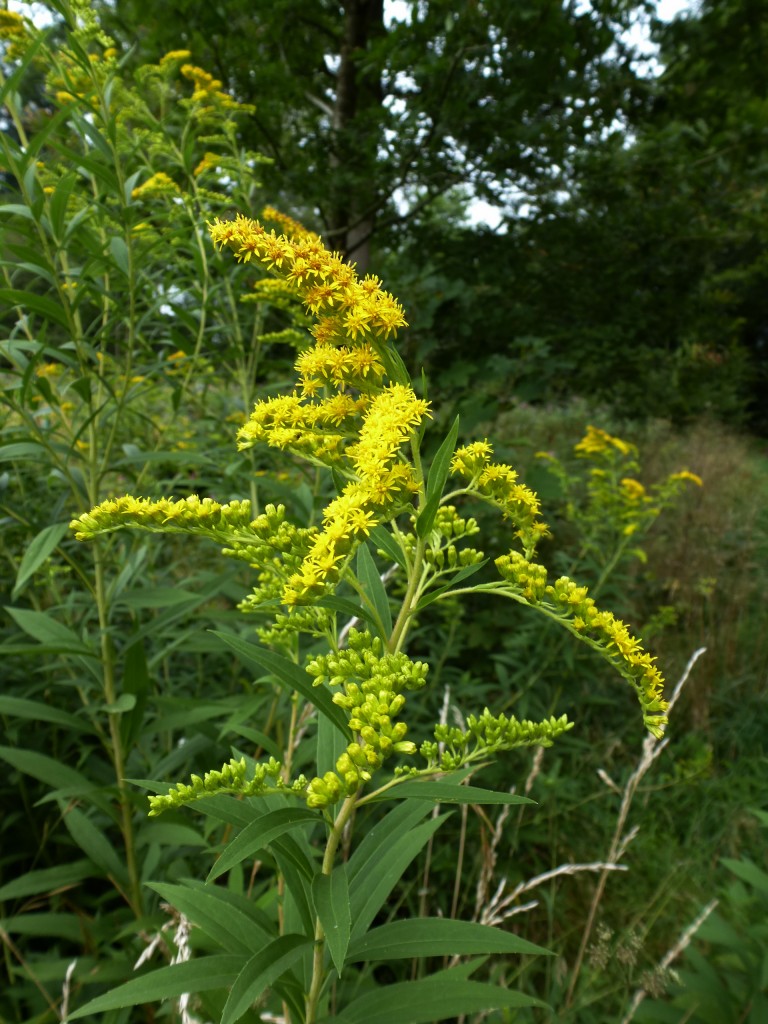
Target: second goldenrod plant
point(354, 412)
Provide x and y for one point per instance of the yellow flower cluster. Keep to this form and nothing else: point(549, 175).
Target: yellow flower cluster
point(188, 515)
point(209, 91)
point(384, 486)
point(11, 25)
point(597, 441)
point(571, 605)
point(632, 488)
point(174, 56)
point(290, 227)
point(347, 308)
point(497, 483)
point(159, 184)
point(343, 413)
point(209, 162)
point(684, 475)
point(371, 681)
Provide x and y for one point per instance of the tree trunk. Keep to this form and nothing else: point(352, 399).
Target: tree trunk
point(356, 125)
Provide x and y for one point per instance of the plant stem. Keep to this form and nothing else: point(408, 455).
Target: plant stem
point(318, 972)
point(118, 756)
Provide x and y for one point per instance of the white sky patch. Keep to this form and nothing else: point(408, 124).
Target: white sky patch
point(39, 13)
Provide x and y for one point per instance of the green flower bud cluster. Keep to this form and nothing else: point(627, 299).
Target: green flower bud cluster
point(231, 779)
point(498, 732)
point(278, 553)
point(365, 659)
point(281, 632)
point(371, 681)
point(269, 536)
point(449, 558)
point(440, 552)
point(486, 735)
point(529, 578)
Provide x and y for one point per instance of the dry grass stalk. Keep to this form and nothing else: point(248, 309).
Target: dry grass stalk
point(651, 750)
point(671, 955)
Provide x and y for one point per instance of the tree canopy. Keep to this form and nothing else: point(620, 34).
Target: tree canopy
point(634, 206)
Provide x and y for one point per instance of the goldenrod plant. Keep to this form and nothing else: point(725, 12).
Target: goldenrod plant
point(335, 636)
point(112, 318)
point(609, 507)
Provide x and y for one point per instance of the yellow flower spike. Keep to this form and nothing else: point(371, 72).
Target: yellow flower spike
point(173, 56)
point(598, 442)
point(686, 475)
point(158, 184)
point(633, 489)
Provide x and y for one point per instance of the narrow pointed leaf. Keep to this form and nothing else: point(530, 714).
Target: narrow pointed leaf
point(447, 794)
point(374, 589)
point(214, 911)
point(748, 872)
point(47, 880)
point(53, 773)
point(461, 575)
point(95, 844)
point(430, 999)
point(438, 474)
point(343, 606)
point(368, 898)
point(37, 552)
point(288, 675)
point(200, 975)
point(436, 936)
point(261, 971)
point(20, 707)
point(330, 894)
point(48, 631)
point(259, 834)
point(32, 302)
point(384, 833)
point(383, 539)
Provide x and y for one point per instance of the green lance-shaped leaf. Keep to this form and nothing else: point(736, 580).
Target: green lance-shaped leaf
point(37, 552)
point(20, 707)
point(440, 997)
point(33, 883)
point(68, 782)
point(438, 792)
point(748, 872)
point(95, 844)
point(53, 635)
point(262, 970)
point(330, 894)
point(436, 936)
point(223, 916)
point(375, 591)
point(209, 972)
point(369, 892)
point(438, 474)
point(31, 302)
point(289, 676)
point(259, 834)
point(383, 539)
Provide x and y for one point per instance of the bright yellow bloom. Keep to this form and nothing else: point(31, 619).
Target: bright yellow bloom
point(11, 25)
point(174, 55)
point(633, 489)
point(597, 441)
point(159, 184)
point(686, 475)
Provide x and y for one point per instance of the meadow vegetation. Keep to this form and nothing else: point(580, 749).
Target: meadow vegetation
point(180, 357)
